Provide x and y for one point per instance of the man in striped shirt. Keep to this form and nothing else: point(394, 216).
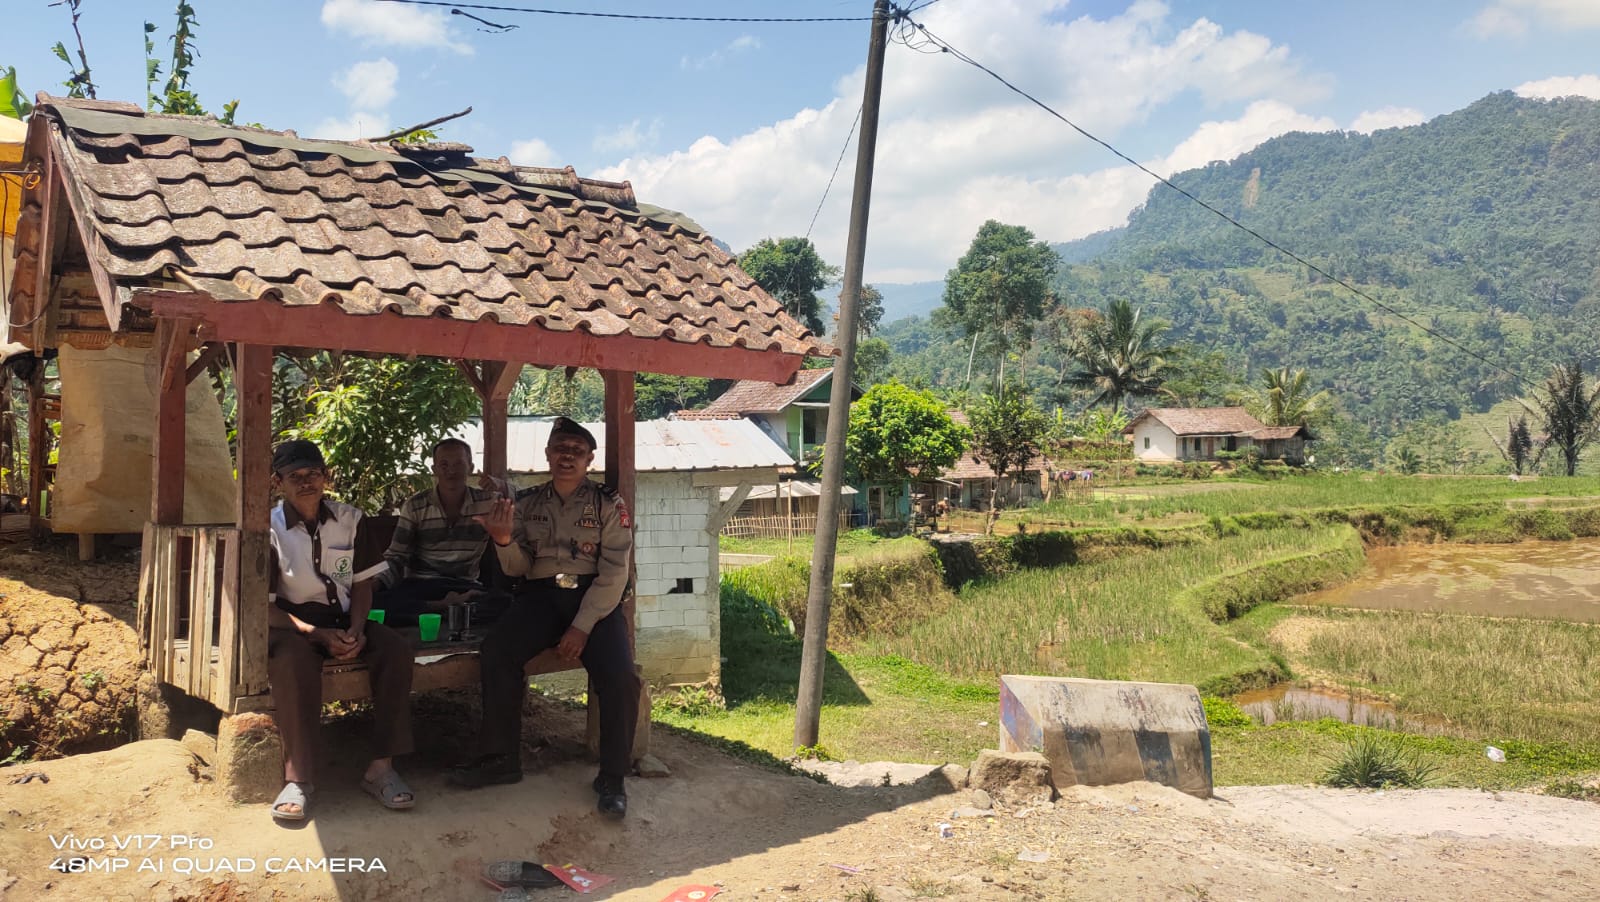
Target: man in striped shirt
point(438, 544)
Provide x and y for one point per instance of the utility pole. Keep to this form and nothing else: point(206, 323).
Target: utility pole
point(819, 597)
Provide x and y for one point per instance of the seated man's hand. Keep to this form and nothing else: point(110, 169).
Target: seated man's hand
point(498, 521)
point(354, 644)
point(337, 642)
point(572, 643)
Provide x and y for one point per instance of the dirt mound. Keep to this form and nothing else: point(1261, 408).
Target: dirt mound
point(69, 653)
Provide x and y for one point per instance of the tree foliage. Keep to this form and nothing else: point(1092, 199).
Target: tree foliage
point(792, 271)
point(371, 417)
point(1000, 287)
point(176, 96)
point(656, 396)
point(13, 105)
point(1569, 412)
point(897, 432)
point(80, 83)
point(1120, 356)
point(1007, 433)
point(869, 311)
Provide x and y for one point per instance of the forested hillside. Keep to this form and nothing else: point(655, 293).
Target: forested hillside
point(1483, 224)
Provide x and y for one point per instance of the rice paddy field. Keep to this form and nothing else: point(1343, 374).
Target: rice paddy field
point(1222, 609)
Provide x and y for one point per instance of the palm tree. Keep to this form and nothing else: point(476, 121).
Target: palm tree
point(1121, 355)
point(1284, 401)
point(1568, 412)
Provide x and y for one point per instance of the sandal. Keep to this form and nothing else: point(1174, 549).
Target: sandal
point(388, 791)
point(292, 794)
point(524, 874)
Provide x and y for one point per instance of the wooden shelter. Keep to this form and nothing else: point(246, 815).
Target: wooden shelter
point(221, 243)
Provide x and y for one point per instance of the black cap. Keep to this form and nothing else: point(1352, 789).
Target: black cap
point(564, 426)
point(296, 454)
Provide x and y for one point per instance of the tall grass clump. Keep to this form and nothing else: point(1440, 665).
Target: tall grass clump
point(1372, 761)
point(1497, 679)
point(1232, 594)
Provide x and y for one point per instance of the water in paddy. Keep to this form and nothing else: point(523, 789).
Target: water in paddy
point(1551, 580)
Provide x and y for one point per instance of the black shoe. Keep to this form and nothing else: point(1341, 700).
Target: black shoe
point(613, 801)
point(488, 770)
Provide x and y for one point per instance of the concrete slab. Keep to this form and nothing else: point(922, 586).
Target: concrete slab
point(1100, 732)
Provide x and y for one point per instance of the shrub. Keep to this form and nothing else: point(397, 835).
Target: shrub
point(1221, 712)
point(1372, 761)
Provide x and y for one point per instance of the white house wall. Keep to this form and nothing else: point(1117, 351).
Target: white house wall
point(1163, 443)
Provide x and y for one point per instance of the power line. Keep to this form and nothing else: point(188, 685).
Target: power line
point(634, 16)
point(836, 164)
point(916, 36)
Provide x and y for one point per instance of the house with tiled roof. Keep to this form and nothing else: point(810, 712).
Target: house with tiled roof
point(969, 482)
point(1166, 434)
point(794, 415)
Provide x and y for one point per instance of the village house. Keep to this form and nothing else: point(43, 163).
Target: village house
point(1164, 434)
point(795, 416)
point(691, 475)
point(969, 482)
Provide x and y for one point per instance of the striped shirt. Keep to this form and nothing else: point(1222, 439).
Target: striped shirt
point(427, 544)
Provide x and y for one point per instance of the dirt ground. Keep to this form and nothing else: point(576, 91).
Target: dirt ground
point(69, 656)
point(760, 834)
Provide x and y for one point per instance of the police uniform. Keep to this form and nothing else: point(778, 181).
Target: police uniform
point(574, 552)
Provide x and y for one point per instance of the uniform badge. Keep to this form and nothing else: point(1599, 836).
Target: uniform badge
point(623, 516)
point(590, 549)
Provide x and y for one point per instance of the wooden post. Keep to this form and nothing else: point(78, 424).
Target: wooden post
point(493, 385)
point(253, 387)
point(168, 450)
point(38, 449)
point(620, 476)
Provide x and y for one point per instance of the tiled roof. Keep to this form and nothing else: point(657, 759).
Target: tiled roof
point(1201, 420)
point(246, 214)
point(1271, 433)
point(749, 396)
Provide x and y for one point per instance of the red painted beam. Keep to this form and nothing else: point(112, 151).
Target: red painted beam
point(168, 450)
point(494, 381)
point(328, 327)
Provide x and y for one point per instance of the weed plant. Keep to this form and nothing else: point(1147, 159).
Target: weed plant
point(1372, 761)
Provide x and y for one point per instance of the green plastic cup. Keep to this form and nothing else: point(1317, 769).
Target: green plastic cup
point(428, 626)
point(376, 614)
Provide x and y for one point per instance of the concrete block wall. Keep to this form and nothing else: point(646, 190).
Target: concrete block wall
point(678, 634)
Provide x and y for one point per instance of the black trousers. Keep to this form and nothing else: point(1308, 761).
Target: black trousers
point(536, 621)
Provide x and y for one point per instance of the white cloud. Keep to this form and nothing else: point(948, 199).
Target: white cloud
point(370, 85)
point(1562, 86)
point(741, 44)
point(955, 148)
point(1388, 117)
point(534, 152)
point(1512, 18)
point(359, 124)
point(391, 24)
point(628, 138)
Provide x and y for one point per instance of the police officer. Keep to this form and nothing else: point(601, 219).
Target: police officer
point(571, 538)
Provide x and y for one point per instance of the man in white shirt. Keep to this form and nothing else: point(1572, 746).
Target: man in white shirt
point(321, 593)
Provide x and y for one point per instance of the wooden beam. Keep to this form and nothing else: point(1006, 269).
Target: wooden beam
point(208, 355)
point(168, 444)
point(719, 517)
point(328, 327)
point(94, 248)
point(53, 218)
point(253, 388)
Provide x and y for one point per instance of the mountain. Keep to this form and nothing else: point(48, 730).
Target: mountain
point(903, 299)
point(1481, 227)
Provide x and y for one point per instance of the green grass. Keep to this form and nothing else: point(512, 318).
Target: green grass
point(1118, 619)
point(1303, 493)
point(852, 543)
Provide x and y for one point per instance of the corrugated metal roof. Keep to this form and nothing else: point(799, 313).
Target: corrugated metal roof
point(660, 446)
point(799, 488)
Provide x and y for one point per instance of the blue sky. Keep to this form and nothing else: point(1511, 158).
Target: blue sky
point(739, 125)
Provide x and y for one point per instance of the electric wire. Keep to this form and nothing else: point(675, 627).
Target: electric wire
point(633, 16)
point(836, 164)
point(916, 36)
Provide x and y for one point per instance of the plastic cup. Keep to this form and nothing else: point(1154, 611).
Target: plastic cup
point(428, 626)
point(376, 614)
